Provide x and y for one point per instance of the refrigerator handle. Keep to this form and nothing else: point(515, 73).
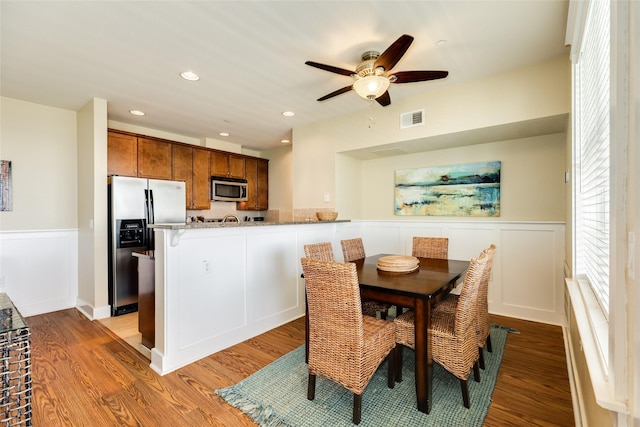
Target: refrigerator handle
point(152, 220)
point(151, 212)
point(148, 211)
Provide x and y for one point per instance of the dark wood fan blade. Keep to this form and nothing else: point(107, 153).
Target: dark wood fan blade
point(392, 55)
point(336, 93)
point(330, 68)
point(384, 99)
point(418, 76)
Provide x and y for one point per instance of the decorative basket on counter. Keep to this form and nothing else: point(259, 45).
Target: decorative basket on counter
point(327, 216)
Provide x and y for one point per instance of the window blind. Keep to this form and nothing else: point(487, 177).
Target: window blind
point(592, 152)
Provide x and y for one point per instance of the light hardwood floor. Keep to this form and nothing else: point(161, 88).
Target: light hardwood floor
point(126, 327)
point(84, 374)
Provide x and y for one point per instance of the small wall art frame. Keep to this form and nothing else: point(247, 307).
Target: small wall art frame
point(5, 185)
point(471, 189)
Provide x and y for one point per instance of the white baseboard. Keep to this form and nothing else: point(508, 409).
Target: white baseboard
point(93, 313)
point(574, 380)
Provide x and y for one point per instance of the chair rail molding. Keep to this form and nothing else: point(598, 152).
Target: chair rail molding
point(527, 281)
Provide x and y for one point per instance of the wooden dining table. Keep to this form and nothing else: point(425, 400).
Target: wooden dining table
point(417, 290)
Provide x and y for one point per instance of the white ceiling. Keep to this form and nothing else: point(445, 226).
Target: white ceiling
point(250, 55)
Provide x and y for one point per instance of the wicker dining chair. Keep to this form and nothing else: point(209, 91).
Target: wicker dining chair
point(452, 339)
point(483, 322)
point(319, 251)
point(430, 247)
point(352, 250)
point(344, 346)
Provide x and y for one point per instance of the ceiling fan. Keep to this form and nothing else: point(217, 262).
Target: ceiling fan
point(371, 75)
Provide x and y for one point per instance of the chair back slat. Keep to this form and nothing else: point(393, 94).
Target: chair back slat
point(319, 251)
point(335, 315)
point(484, 324)
point(430, 247)
point(352, 249)
point(467, 309)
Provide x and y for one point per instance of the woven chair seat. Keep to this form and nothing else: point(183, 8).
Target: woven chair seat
point(372, 308)
point(456, 354)
point(329, 360)
point(344, 345)
point(447, 305)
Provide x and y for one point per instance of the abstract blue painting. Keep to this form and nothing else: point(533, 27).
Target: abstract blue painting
point(471, 189)
point(5, 185)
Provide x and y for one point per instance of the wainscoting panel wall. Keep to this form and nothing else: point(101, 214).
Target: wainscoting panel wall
point(527, 280)
point(39, 269)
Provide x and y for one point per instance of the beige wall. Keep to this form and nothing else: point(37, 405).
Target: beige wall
point(203, 142)
point(633, 211)
point(92, 203)
point(532, 177)
point(280, 181)
point(534, 92)
point(153, 132)
point(41, 143)
point(349, 177)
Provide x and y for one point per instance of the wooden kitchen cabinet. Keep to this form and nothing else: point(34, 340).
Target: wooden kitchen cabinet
point(154, 158)
point(257, 175)
point(191, 165)
point(201, 179)
point(227, 164)
point(122, 154)
point(263, 185)
point(136, 155)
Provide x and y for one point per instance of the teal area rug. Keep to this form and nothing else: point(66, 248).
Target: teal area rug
point(276, 395)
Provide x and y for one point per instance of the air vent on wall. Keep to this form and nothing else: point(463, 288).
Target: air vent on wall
point(412, 118)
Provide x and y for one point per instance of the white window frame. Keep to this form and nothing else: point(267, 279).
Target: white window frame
point(607, 350)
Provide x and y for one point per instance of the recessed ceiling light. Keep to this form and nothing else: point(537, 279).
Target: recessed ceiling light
point(223, 133)
point(288, 113)
point(137, 112)
point(285, 141)
point(190, 75)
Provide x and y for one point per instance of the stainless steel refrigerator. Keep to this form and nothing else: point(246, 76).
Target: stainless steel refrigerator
point(133, 204)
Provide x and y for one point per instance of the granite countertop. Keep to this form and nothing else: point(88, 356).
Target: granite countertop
point(237, 224)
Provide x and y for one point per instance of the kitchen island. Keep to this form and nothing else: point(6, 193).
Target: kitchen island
point(217, 284)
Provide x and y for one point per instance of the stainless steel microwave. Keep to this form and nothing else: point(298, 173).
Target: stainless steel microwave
point(228, 189)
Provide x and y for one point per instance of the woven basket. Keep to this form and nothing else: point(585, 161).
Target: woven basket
point(327, 216)
point(398, 263)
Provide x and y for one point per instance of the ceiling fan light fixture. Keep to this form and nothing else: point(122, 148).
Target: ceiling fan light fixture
point(190, 75)
point(371, 87)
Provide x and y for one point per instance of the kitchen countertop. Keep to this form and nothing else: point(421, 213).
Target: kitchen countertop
point(143, 254)
point(193, 225)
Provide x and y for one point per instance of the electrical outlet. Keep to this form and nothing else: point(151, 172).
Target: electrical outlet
point(327, 198)
point(206, 266)
point(2, 282)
